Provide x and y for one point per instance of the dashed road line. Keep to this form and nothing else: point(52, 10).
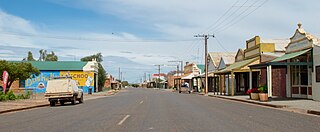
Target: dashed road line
point(124, 119)
point(141, 102)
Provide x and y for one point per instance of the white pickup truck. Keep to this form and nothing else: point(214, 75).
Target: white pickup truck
point(63, 89)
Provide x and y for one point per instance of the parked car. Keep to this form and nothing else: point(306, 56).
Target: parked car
point(63, 89)
point(185, 89)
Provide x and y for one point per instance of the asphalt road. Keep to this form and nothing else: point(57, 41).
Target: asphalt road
point(139, 110)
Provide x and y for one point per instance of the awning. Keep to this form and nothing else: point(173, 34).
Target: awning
point(290, 55)
point(237, 65)
point(187, 76)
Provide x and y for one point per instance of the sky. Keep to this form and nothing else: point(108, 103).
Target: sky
point(138, 34)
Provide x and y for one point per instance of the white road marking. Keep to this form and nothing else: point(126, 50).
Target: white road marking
point(141, 102)
point(124, 119)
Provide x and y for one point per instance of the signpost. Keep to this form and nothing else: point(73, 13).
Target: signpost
point(5, 76)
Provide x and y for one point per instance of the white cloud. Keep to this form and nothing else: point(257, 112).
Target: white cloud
point(174, 19)
point(12, 23)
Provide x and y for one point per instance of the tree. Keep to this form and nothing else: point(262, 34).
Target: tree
point(43, 55)
point(101, 72)
point(97, 56)
point(47, 57)
point(124, 83)
point(51, 57)
point(17, 70)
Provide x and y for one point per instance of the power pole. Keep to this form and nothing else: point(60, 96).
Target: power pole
point(158, 80)
point(159, 75)
point(181, 62)
point(120, 79)
point(119, 86)
point(206, 37)
point(145, 76)
point(119, 74)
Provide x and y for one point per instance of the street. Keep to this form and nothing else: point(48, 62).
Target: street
point(138, 110)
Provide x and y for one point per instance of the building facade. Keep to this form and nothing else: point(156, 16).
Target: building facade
point(85, 73)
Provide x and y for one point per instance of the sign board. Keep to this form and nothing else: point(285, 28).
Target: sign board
point(5, 77)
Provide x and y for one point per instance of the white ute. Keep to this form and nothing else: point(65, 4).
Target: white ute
point(63, 89)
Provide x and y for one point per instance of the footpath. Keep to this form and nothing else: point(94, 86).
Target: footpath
point(38, 100)
point(294, 105)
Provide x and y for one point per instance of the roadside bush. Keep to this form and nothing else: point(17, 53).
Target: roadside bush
point(11, 96)
point(2, 96)
point(27, 96)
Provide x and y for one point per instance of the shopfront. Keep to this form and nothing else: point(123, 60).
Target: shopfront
point(300, 60)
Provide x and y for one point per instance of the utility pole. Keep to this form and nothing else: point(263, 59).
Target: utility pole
point(120, 79)
point(181, 62)
point(119, 86)
point(145, 76)
point(158, 80)
point(119, 74)
point(206, 37)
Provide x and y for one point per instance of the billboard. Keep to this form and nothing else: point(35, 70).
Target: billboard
point(39, 83)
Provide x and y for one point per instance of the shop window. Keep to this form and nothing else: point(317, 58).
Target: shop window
point(310, 76)
point(304, 75)
point(22, 83)
point(295, 75)
point(318, 73)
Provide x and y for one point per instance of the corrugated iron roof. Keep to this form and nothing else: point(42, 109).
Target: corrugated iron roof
point(59, 65)
point(216, 56)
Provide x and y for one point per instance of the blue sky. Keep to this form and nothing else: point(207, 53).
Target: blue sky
point(145, 32)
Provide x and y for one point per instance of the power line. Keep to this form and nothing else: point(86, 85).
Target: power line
point(227, 18)
point(241, 18)
point(238, 15)
point(220, 44)
point(214, 24)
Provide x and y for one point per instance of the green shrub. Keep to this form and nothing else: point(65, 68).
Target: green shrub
point(20, 96)
point(2, 97)
point(27, 96)
point(263, 89)
point(11, 95)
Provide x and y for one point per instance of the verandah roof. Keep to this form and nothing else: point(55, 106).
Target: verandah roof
point(276, 62)
point(237, 65)
point(290, 55)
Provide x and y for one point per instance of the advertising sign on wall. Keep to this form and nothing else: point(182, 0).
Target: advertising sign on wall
point(85, 79)
point(39, 83)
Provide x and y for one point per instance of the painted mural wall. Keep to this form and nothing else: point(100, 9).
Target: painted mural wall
point(39, 83)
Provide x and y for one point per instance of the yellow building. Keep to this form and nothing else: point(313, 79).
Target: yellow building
point(238, 78)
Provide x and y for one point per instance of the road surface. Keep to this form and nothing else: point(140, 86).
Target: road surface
point(143, 110)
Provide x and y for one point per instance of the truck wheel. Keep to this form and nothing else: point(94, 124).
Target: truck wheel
point(74, 99)
point(52, 103)
point(61, 102)
point(81, 99)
